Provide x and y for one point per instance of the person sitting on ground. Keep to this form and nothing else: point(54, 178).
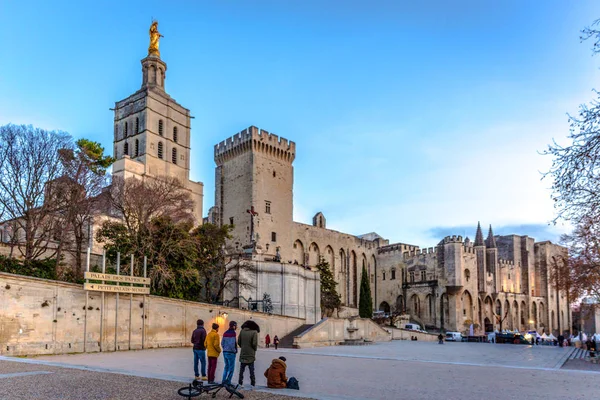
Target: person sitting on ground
point(275, 374)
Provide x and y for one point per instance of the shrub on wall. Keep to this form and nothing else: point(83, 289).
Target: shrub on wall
point(45, 269)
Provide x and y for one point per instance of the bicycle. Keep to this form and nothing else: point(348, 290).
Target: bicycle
point(197, 388)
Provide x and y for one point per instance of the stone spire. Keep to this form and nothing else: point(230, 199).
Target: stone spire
point(490, 242)
point(479, 236)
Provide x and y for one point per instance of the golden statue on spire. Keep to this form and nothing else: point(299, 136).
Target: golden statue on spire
point(154, 38)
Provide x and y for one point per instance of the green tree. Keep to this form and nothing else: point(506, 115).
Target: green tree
point(78, 195)
point(330, 298)
point(365, 302)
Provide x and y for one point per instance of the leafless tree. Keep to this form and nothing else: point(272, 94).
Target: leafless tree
point(30, 159)
point(233, 272)
point(138, 201)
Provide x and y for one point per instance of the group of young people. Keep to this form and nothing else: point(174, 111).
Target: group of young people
point(211, 345)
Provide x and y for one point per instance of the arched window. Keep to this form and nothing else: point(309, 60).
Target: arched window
point(126, 148)
point(160, 150)
point(175, 134)
point(137, 125)
point(160, 127)
point(125, 128)
point(137, 147)
point(174, 156)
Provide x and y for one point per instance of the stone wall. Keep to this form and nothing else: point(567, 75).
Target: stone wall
point(333, 331)
point(295, 291)
point(39, 316)
point(405, 334)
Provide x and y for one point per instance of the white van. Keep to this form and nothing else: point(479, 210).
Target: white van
point(413, 327)
point(453, 337)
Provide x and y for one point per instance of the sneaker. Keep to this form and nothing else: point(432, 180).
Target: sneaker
point(204, 378)
point(241, 387)
point(196, 378)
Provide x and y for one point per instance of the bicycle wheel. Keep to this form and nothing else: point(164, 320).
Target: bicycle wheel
point(189, 392)
point(233, 391)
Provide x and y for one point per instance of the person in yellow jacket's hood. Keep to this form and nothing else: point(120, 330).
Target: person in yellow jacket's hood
point(213, 349)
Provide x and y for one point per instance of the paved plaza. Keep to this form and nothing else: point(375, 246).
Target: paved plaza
point(399, 369)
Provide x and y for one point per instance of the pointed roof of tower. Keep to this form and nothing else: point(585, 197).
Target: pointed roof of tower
point(479, 236)
point(490, 242)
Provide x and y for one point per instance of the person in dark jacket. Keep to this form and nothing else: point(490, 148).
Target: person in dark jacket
point(229, 346)
point(198, 338)
point(275, 374)
point(276, 342)
point(248, 342)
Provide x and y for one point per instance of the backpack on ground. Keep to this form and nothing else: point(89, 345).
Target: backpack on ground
point(293, 383)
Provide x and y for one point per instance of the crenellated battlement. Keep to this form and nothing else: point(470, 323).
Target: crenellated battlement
point(453, 239)
point(396, 248)
point(506, 263)
point(431, 251)
point(257, 140)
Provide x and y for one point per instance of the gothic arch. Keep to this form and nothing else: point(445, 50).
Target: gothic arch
point(415, 305)
point(354, 280)
point(534, 315)
point(543, 317)
point(515, 315)
point(524, 317)
point(343, 276)
point(400, 306)
point(385, 307)
point(430, 309)
point(467, 305)
point(314, 254)
point(444, 311)
point(329, 256)
point(506, 316)
point(298, 252)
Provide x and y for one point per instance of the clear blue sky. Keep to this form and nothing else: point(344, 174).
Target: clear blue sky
point(412, 119)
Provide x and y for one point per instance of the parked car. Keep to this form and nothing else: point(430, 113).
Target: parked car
point(454, 337)
point(514, 338)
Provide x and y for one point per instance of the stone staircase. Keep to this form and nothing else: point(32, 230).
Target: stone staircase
point(579, 354)
point(288, 340)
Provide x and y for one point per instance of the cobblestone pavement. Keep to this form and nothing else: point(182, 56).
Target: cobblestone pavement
point(20, 380)
point(400, 369)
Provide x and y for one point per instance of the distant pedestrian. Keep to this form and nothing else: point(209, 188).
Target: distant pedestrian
point(213, 349)
point(441, 339)
point(276, 341)
point(267, 341)
point(198, 338)
point(561, 340)
point(248, 342)
point(229, 346)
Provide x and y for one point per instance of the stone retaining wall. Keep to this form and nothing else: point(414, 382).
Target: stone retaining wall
point(333, 331)
point(39, 316)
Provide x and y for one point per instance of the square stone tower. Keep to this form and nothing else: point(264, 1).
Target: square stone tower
point(253, 190)
point(152, 133)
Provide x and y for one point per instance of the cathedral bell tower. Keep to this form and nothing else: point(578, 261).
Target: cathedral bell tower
point(152, 131)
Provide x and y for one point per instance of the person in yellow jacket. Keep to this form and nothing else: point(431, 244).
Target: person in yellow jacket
point(213, 349)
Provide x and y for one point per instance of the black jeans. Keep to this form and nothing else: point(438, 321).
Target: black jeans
point(252, 377)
